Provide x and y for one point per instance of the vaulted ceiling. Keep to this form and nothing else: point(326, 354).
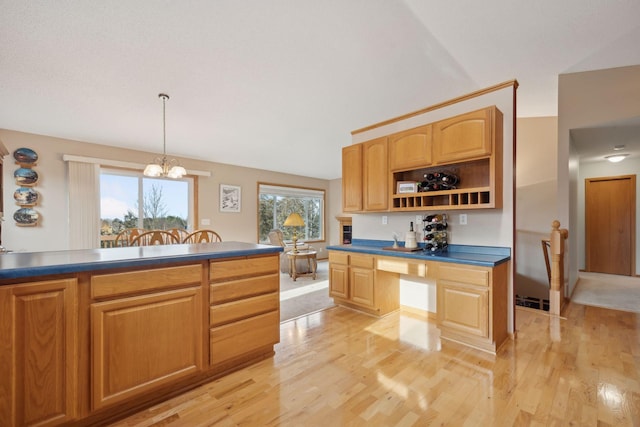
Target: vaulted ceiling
point(280, 84)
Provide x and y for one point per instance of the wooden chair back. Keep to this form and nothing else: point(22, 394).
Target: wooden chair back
point(154, 237)
point(125, 237)
point(202, 236)
point(180, 233)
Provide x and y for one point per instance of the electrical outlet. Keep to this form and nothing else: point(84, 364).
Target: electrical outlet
point(418, 219)
point(384, 220)
point(205, 221)
point(463, 219)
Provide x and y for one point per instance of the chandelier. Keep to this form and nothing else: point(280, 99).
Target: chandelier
point(161, 166)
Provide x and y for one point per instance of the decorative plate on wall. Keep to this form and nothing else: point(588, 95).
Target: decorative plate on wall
point(25, 156)
point(25, 176)
point(26, 217)
point(26, 196)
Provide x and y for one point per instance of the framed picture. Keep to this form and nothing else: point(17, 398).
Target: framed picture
point(407, 187)
point(230, 198)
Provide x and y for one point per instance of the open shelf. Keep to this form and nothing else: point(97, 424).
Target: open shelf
point(464, 198)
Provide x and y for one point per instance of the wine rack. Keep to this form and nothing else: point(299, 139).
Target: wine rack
point(435, 233)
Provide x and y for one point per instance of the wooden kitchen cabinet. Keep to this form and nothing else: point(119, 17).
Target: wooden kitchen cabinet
point(38, 353)
point(355, 282)
point(472, 304)
point(339, 275)
point(375, 175)
point(464, 137)
point(244, 315)
point(468, 146)
point(352, 178)
point(365, 176)
point(410, 149)
point(143, 341)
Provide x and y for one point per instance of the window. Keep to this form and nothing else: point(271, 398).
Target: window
point(276, 202)
point(131, 200)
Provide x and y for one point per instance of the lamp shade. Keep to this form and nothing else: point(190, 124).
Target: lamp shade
point(294, 220)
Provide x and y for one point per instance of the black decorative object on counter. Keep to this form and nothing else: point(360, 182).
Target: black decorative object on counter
point(435, 233)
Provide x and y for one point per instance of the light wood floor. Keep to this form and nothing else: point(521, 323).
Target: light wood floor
point(341, 368)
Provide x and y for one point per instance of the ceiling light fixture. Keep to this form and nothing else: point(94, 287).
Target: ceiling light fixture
point(161, 166)
point(615, 158)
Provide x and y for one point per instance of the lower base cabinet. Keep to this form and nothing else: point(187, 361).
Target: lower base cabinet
point(85, 348)
point(471, 300)
point(355, 282)
point(38, 353)
point(143, 342)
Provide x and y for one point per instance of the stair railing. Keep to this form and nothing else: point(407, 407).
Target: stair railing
point(557, 244)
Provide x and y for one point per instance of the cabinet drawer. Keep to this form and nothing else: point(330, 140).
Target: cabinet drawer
point(361, 260)
point(402, 266)
point(238, 338)
point(243, 288)
point(107, 285)
point(339, 257)
point(474, 276)
point(242, 309)
point(221, 270)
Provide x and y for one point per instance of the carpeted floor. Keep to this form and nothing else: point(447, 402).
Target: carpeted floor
point(305, 295)
point(608, 291)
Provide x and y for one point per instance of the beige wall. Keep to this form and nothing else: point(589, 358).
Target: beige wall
point(587, 99)
point(536, 188)
point(52, 232)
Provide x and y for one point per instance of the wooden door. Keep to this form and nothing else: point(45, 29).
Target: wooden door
point(610, 224)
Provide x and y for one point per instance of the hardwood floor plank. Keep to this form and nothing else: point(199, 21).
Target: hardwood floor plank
point(342, 368)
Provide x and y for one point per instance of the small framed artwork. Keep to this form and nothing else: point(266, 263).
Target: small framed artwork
point(407, 187)
point(230, 198)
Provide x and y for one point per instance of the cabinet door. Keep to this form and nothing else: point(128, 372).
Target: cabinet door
point(361, 286)
point(338, 280)
point(463, 137)
point(463, 308)
point(142, 342)
point(352, 178)
point(38, 353)
point(375, 167)
point(410, 149)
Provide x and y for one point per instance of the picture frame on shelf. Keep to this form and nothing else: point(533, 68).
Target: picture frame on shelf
point(230, 198)
point(406, 187)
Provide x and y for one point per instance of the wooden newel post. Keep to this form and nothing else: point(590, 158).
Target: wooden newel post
point(557, 247)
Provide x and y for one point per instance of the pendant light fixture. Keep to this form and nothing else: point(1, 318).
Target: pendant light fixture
point(161, 166)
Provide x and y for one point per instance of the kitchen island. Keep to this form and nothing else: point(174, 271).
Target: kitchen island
point(471, 285)
point(88, 336)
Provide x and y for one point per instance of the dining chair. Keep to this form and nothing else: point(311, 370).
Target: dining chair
point(180, 233)
point(202, 236)
point(154, 237)
point(125, 237)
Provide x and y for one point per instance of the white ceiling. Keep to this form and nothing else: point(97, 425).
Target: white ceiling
point(279, 85)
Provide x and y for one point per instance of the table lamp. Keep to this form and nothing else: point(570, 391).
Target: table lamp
point(294, 220)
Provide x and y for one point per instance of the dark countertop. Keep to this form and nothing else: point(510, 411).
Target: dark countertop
point(31, 264)
point(487, 256)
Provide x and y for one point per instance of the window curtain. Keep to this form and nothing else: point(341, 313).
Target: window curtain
point(84, 205)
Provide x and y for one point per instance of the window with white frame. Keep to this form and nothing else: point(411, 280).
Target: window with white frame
point(276, 202)
point(130, 200)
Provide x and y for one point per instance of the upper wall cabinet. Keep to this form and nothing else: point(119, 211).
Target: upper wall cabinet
point(365, 176)
point(352, 178)
point(375, 174)
point(410, 149)
point(467, 136)
point(468, 146)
